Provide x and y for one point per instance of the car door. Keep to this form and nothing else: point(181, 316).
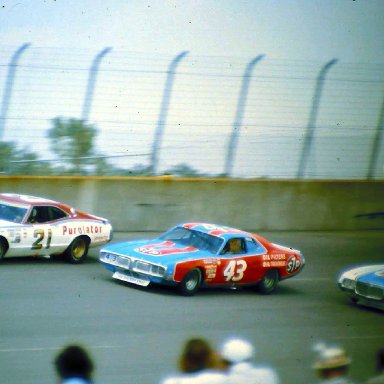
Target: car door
point(43, 234)
point(243, 266)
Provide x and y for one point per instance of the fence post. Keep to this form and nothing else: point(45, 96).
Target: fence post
point(232, 142)
point(12, 66)
point(376, 144)
point(93, 71)
point(164, 111)
point(312, 118)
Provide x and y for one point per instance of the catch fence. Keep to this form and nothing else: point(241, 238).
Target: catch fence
point(256, 117)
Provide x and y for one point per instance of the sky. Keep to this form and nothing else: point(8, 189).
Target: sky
point(296, 37)
point(318, 29)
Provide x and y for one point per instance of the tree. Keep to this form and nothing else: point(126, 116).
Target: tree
point(6, 152)
point(72, 139)
point(14, 161)
point(182, 169)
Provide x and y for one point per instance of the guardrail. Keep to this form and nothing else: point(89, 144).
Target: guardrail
point(157, 203)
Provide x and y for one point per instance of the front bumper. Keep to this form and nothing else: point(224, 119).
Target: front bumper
point(133, 270)
point(365, 294)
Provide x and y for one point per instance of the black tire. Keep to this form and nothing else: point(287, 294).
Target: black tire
point(269, 282)
point(77, 250)
point(191, 282)
point(3, 247)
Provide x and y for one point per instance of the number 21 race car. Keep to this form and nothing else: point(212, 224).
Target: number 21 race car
point(34, 226)
point(193, 255)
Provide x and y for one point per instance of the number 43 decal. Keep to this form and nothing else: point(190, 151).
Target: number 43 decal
point(235, 269)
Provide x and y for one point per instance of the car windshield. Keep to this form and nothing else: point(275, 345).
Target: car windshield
point(189, 237)
point(12, 213)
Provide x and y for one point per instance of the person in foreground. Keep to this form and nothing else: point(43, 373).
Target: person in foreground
point(74, 365)
point(237, 355)
point(379, 379)
point(198, 364)
point(332, 365)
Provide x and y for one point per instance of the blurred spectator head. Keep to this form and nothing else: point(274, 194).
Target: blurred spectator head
point(380, 360)
point(236, 350)
point(74, 361)
point(331, 361)
point(197, 355)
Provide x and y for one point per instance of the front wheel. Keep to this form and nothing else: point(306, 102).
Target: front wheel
point(269, 282)
point(3, 247)
point(191, 282)
point(77, 250)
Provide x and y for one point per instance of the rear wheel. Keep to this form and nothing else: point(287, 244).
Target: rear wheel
point(77, 250)
point(191, 282)
point(3, 247)
point(269, 282)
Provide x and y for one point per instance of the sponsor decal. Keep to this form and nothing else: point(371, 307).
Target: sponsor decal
point(278, 264)
point(274, 260)
point(211, 260)
point(293, 264)
point(210, 271)
point(82, 230)
point(275, 256)
point(14, 235)
point(164, 248)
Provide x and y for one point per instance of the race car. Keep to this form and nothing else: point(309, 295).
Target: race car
point(34, 226)
point(364, 285)
point(192, 255)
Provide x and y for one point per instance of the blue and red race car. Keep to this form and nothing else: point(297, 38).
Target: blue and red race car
point(193, 255)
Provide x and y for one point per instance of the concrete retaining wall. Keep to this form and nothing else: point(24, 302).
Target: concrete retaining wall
point(155, 204)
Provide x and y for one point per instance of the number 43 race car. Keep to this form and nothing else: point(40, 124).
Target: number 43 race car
point(197, 254)
point(33, 226)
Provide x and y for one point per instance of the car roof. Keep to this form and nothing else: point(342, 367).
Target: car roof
point(26, 199)
point(223, 231)
point(214, 229)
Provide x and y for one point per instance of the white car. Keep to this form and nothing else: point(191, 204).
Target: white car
point(364, 285)
point(34, 226)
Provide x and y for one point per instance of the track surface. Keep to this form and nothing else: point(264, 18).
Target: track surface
point(135, 335)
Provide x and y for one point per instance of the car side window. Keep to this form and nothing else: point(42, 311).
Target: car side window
point(56, 213)
point(234, 246)
point(38, 215)
point(44, 214)
point(253, 246)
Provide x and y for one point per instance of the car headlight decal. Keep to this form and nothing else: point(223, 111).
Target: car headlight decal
point(148, 268)
point(349, 284)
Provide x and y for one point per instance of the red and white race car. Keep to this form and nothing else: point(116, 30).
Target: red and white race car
point(34, 226)
point(193, 255)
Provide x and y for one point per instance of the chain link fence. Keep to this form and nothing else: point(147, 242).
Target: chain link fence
point(257, 117)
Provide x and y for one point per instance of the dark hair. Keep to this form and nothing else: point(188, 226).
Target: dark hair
point(380, 360)
point(196, 356)
point(74, 361)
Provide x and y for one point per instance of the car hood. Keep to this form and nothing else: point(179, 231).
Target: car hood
point(7, 224)
point(374, 278)
point(365, 272)
point(157, 251)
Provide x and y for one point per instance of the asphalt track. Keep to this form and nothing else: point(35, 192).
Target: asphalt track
point(135, 334)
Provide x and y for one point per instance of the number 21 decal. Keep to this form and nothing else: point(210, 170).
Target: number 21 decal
point(235, 270)
point(40, 234)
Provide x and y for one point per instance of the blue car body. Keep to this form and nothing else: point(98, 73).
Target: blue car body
point(111, 258)
point(364, 285)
